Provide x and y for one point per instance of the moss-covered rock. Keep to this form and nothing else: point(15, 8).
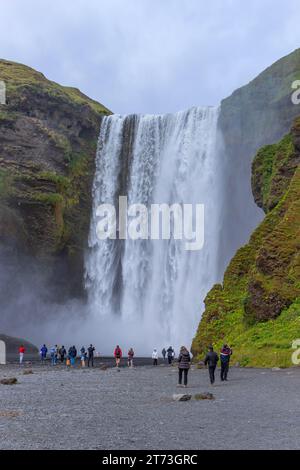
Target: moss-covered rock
point(48, 139)
point(256, 309)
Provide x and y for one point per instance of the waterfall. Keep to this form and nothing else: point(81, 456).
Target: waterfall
point(149, 293)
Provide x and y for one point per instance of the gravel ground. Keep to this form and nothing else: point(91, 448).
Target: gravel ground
point(55, 408)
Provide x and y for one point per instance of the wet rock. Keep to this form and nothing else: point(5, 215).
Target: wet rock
point(181, 397)
point(204, 396)
point(103, 367)
point(10, 381)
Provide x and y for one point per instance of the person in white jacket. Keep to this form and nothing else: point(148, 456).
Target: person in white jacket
point(155, 357)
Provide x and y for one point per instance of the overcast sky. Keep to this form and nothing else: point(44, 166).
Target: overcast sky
point(149, 56)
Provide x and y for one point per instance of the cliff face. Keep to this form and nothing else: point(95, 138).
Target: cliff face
point(256, 308)
point(255, 115)
point(48, 139)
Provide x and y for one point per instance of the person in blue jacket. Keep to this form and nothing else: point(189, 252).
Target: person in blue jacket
point(43, 352)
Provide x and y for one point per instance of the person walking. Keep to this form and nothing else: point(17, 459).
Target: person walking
point(43, 352)
point(184, 360)
point(225, 354)
point(130, 357)
point(170, 354)
point(62, 353)
point(211, 360)
point(53, 355)
point(155, 357)
point(164, 352)
point(21, 354)
point(118, 355)
point(91, 351)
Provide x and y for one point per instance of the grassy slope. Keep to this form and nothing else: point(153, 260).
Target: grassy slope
point(18, 76)
point(257, 309)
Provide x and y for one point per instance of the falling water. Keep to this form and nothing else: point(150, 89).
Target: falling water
point(150, 292)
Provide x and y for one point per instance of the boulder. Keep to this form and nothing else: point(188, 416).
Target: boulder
point(181, 397)
point(10, 381)
point(204, 396)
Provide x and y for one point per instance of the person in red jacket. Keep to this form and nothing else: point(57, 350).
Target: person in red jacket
point(21, 353)
point(118, 355)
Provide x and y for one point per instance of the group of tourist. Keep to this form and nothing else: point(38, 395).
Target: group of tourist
point(169, 354)
point(60, 354)
point(211, 360)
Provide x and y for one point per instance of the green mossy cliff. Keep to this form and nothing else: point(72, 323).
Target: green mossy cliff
point(257, 308)
point(48, 139)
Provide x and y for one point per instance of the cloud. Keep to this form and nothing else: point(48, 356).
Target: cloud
point(149, 56)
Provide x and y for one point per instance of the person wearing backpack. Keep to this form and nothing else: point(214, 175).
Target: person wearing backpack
point(118, 355)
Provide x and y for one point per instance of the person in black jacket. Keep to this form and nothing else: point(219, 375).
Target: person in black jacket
point(91, 351)
point(72, 355)
point(211, 360)
point(184, 360)
point(170, 354)
point(62, 353)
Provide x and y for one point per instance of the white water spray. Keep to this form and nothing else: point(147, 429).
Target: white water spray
point(149, 293)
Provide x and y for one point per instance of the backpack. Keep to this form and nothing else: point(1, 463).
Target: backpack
point(118, 353)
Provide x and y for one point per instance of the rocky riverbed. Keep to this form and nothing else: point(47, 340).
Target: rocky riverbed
point(56, 408)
